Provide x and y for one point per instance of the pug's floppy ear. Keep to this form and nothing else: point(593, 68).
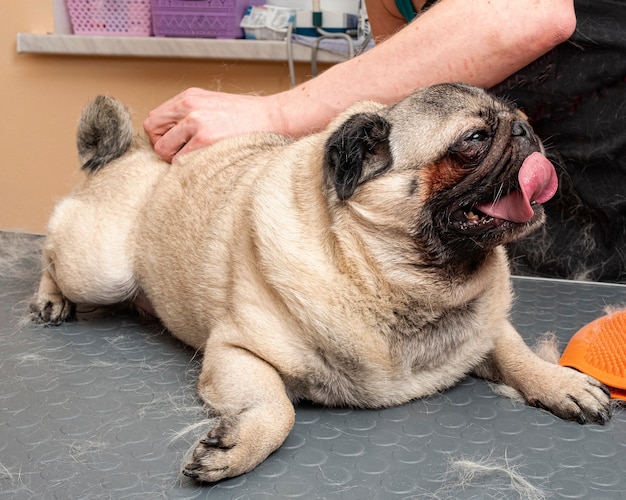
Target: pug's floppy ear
point(357, 152)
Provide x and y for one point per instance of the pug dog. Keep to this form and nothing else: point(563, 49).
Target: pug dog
point(360, 266)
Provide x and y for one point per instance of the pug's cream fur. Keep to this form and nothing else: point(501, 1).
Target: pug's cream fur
point(330, 268)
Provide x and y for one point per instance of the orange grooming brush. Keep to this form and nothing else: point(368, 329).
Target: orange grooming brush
point(599, 349)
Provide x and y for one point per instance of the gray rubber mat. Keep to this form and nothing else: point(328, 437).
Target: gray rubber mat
point(102, 408)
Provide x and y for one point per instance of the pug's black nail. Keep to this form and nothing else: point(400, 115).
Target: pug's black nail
point(191, 474)
point(210, 441)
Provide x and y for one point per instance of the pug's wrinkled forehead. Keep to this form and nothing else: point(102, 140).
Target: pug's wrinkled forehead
point(436, 117)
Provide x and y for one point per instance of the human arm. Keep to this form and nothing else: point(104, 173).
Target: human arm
point(479, 42)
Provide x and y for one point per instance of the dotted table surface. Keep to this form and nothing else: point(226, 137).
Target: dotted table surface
point(105, 407)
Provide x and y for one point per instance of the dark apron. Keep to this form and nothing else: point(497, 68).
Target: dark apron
point(575, 97)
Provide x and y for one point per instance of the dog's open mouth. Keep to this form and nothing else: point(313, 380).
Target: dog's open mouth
point(537, 181)
point(472, 219)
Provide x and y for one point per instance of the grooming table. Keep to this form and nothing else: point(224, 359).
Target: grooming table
point(102, 407)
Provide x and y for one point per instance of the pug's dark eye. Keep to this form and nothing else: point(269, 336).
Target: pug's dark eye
point(478, 136)
point(471, 147)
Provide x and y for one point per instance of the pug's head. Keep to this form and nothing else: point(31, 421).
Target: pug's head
point(449, 168)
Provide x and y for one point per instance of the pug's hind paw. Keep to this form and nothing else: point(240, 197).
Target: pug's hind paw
point(51, 310)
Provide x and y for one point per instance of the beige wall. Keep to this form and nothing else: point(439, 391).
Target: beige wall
point(42, 96)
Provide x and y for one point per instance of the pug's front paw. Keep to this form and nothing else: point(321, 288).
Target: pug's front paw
point(221, 454)
point(212, 461)
point(572, 395)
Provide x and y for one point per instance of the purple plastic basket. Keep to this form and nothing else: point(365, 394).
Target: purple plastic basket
point(200, 18)
point(110, 17)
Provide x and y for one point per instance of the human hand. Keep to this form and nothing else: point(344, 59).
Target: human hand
point(196, 118)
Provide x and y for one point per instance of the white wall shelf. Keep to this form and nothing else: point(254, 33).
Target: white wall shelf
point(199, 48)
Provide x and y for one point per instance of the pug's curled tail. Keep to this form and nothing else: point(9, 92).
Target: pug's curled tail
point(105, 132)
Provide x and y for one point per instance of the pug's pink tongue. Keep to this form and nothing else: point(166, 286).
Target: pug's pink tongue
point(538, 183)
